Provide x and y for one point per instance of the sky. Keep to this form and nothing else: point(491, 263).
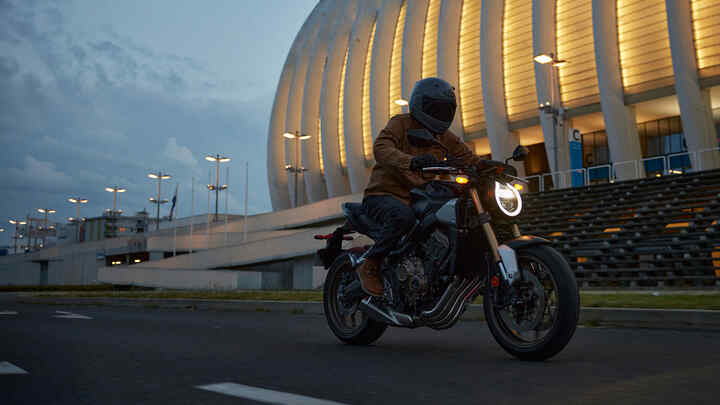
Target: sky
point(96, 93)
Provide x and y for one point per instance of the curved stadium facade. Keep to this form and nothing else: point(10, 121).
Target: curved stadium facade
point(640, 81)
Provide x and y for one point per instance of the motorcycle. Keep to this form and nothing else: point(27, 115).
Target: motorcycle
point(449, 258)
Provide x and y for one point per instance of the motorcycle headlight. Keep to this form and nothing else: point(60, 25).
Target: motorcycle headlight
point(508, 199)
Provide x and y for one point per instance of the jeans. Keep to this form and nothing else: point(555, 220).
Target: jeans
point(395, 219)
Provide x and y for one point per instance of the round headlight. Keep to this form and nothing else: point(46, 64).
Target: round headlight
point(508, 199)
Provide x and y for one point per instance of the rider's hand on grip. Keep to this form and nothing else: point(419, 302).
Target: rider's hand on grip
point(422, 161)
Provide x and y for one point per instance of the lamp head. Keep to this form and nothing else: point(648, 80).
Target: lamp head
point(544, 58)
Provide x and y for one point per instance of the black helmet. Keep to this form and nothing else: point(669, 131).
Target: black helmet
point(432, 104)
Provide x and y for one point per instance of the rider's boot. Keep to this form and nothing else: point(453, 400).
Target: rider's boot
point(370, 278)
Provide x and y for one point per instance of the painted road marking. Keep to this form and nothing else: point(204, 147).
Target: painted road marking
point(8, 313)
point(69, 315)
point(263, 395)
point(9, 368)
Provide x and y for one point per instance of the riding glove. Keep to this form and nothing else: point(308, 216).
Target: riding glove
point(422, 161)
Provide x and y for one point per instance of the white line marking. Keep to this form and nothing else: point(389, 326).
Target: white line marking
point(9, 368)
point(263, 395)
point(8, 313)
point(69, 315)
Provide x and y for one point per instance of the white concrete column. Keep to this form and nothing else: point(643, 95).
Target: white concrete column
point(335, 178)
point(447, 49)
point(620, 123)
point(358, 170)
point(695, 107)
point(502, 141)
point(413, 35)
point(314, 180)
point(380, 69)
point(277, 175)
point(293, 117)
point(548, 88)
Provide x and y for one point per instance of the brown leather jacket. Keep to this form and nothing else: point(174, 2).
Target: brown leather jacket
point(391, 174)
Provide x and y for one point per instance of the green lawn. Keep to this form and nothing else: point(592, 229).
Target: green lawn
point(614, 300)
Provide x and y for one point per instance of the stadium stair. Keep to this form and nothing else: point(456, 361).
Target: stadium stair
point(655, 232)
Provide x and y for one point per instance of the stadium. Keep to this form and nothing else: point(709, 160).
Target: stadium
point(637, 80)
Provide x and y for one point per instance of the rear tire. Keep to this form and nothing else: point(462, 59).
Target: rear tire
point(346, 320)
point(565, 320)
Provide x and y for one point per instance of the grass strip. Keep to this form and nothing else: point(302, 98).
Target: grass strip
point(610, 300)
point(71, 288)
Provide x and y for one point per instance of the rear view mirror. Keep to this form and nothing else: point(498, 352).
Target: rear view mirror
point(520, 153)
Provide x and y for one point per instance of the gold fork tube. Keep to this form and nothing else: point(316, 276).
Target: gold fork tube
point(487, 228)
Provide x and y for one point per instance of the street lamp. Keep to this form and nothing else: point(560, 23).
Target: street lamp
point(16, 236)
point(549, 107)
point(160, 176)
point(77, 201)
point(298, 168)
point(115, 190)
point(217, 188)
point(45, 211)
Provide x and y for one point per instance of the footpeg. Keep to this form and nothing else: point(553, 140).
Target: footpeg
point(373, 307)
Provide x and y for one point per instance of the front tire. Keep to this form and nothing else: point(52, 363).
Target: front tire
point(345, 319)
point(530, 332)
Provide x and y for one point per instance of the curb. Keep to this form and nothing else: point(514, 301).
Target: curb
point(589, 316)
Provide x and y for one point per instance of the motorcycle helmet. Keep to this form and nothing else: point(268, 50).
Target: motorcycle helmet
point(433, 104)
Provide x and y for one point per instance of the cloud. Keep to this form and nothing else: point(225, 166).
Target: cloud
point(179, 153)
point(38, 175)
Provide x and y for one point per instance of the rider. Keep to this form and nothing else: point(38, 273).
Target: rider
point(387, 196)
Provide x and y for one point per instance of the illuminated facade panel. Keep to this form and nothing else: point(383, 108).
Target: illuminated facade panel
point(429, 56)
point(644, 44)
point(518, 68)
point(341, 107)
point(470, 83)
point(574, 40)
point(396, 64)
point(706, 30)
point(367, 128)
point(319, 146)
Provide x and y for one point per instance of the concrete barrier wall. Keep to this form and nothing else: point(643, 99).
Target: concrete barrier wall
point(182, 279)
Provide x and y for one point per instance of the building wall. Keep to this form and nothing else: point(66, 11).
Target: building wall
point(619, 54)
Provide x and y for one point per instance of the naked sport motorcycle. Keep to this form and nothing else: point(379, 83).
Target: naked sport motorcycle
point(465, 243)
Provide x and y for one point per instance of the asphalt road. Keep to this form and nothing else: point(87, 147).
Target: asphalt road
point(103, 355)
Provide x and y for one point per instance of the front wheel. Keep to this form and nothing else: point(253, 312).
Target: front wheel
point(345, 319)
point(543, 309)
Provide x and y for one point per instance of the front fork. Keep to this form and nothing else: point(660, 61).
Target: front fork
point(503, 256)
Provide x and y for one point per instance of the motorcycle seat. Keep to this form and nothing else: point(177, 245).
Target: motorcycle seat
point(359, 220)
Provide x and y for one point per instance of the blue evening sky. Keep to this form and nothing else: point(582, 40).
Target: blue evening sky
point(100, 92)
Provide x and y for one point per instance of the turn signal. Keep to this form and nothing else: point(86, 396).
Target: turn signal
point(461, 179)
point(518, 186)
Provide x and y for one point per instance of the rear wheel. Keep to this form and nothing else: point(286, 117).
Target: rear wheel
point(344, 318)
point(543, 309)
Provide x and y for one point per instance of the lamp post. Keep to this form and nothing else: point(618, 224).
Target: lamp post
point(160, 176)
point(217, 188)
point(77, 201)
point(115, 190)
point(298, 168)
point(550, 107)
point(45, 211)
point(16, 236)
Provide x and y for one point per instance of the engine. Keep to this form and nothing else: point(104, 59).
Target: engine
point(419, 274)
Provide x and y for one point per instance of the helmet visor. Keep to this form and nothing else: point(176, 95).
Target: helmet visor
point(441, 110)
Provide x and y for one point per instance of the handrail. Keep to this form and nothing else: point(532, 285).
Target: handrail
point(696, 164)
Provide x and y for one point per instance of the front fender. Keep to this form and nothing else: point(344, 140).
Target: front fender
point(509, 267)
point(526, 241)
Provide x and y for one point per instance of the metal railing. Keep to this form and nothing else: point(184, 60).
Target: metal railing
point(655, 166)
